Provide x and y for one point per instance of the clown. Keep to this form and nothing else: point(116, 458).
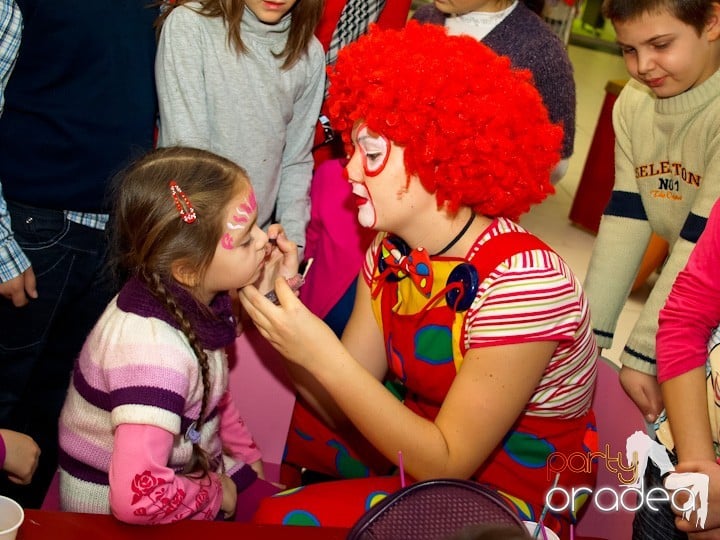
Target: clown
point(482, 327)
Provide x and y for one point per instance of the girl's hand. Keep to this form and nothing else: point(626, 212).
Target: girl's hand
point(290, 327)
point(229, 496)
point(258, 468)
point(281, 259)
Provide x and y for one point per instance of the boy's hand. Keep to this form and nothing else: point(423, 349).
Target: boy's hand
point(644, 390)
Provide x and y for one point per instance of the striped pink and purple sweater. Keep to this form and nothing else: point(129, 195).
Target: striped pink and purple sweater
point(138, 369)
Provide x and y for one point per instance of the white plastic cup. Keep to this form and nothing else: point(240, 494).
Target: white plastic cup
point(531, 526)
point(11, 517)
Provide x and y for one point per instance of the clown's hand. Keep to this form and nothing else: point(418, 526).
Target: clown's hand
point(290, 327)
point(281, 259)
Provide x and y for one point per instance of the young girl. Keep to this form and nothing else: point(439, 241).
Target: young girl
point(483, 327)
point(512, 28)
point(245, 79)
point(687, 360)
point(148, 430)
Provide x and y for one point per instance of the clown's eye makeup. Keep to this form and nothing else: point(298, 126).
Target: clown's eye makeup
point(374, 149)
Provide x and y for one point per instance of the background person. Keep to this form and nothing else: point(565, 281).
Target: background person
point(79, 105)
point(664, 184)
point(672, 51)
point(19, 453)
point(514, 29)
point(245, 80)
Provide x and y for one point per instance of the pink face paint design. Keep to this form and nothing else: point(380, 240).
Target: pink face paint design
point(227, 241)
point(244, 211)
point(374, 150)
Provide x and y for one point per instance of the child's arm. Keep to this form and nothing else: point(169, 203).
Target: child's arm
point(144, 490)
point(686, 404)
point(686, 322)
point(236, 437)
point(623, 235)
point(692, 309)
point(293, 202)
point(617, 253)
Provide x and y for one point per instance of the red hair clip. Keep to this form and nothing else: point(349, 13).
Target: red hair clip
point(182, 203)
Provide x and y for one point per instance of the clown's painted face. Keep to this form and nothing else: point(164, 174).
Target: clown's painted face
point(372, 151)
point(387, 198)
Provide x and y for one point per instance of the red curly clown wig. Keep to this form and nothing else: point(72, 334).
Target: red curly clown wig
point(474, 129)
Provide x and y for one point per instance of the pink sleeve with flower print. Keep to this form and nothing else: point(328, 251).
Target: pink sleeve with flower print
point(236, 437)
point(145, 491)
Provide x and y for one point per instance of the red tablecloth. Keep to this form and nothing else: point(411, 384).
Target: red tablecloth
point(46, 525)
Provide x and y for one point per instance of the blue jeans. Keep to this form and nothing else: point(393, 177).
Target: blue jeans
point(40, 341)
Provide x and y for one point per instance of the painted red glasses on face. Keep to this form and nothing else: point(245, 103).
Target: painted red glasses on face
point(374, 150)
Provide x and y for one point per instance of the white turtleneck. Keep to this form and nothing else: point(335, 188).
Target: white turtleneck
point(477, 24)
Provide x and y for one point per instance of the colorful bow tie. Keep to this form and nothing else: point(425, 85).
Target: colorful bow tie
point(415, 264)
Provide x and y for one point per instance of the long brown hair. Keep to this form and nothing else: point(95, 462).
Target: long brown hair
point(148, 235)
point(305, 17)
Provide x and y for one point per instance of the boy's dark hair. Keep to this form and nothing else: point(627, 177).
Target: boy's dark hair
point(695, 13)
